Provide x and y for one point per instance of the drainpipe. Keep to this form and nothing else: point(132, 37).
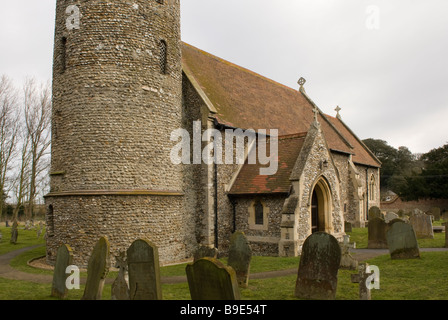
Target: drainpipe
point(233, 202)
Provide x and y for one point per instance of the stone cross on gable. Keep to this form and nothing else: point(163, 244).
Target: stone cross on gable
point(337, 110)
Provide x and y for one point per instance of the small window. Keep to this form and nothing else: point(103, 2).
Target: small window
point(160, 1)
point(259, 218)
point(63, 54)
point(163, 56)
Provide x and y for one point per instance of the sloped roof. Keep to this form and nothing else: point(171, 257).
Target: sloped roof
point(244, 99)
point(250, 181)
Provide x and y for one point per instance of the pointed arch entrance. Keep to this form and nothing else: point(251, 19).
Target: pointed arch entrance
point(321, 207)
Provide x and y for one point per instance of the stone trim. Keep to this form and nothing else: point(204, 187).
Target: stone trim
point(113, 193)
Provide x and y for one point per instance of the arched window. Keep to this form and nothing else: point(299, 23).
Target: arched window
point(259, 218)
point(163, 50)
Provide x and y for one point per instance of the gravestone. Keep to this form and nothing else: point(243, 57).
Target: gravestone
point(402, 241)
point(446, 234)
point(64, 258)
point(374, 212)
point(347, 226)
point(14, 232)
point(204, 251)
point(210, 279)
point(120, 289)
point(7, 224)
point(347, 261)
point(39, 229)
point(377, 229)
point(361, 278)
point(240, 255)
point(435, 211)
point(422, 225)
point(389, 216)
point(144, 271)
point(318, 269)
point(97, 270)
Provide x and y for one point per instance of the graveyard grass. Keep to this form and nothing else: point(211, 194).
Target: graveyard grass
point(416, 279)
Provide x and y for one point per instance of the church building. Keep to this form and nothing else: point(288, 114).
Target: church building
point(127, 90)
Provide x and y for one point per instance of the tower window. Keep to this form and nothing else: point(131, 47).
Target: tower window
point(50, 221)
point(63, 54)
point(163, 57)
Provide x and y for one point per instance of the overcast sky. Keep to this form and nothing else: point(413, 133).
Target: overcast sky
point(383, 62)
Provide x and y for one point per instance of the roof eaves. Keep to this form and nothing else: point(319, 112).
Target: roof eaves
point(198, 88)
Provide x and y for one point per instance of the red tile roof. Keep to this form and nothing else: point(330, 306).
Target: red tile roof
point(250, 181)
point(244, 99)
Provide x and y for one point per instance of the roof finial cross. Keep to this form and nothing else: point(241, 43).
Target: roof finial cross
point(337, 110)
point(301, 82)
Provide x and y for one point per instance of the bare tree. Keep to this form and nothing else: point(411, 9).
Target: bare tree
point(37, 114)
point(8, 133)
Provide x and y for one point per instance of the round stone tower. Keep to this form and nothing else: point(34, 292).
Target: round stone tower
point(117, 96)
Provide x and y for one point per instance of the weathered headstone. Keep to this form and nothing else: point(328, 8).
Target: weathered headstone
point(435, 211)
point(375, 212)
point(144, 271)
point(120, 289)
point(97, 270)
point(318, 269)
point(402, 241)
point(14, 232)
point(39, 229)
point(422, 225)
point(64, 258)
point(347, 226)
point(377, 229)
point(240, 255)
point(347, 261)
point(210, 279)
point(205, 252)
point(361, 278)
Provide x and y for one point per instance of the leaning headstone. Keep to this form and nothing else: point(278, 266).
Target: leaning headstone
point(374, 212)
point(318, 269)
point(389, 216)
point(422, 225)
point(120, 289)
point(144, 271)
point(210, 279)
point(402, 241)
point(14, 232)
point(377, 229)
point(347, 261)
point(435, 211)
point(204, 251)
point(64, 258)
point(240, 255)
point(361, 278)
point(97, 270)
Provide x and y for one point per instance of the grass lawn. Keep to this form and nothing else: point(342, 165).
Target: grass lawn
point(417, 279)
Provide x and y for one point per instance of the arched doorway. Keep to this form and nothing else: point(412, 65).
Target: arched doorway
point(320, 207)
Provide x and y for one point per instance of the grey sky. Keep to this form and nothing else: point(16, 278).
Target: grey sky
point(389, 81)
